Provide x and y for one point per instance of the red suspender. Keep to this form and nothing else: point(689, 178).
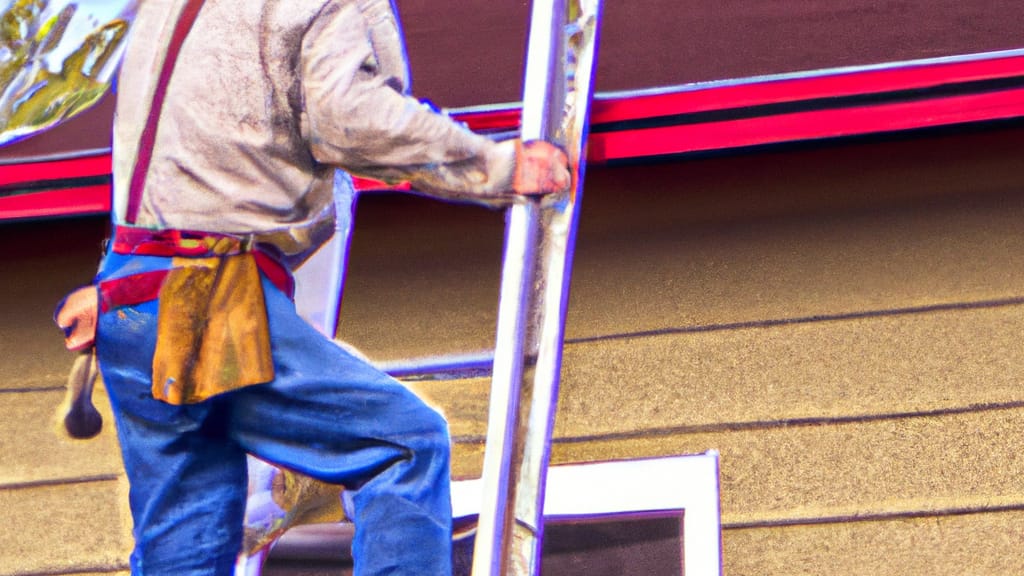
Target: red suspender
point(145, 152)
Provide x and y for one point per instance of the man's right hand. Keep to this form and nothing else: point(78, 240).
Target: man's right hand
point(541, 168)
point(76, 316)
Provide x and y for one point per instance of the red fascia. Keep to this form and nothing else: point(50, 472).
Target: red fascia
point(659, 141)
point(802, 126)
point(42, 170)
point(64, 202)
point(852, 83)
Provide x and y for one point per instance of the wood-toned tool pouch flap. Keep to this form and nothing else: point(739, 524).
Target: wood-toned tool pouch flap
point(212, 332)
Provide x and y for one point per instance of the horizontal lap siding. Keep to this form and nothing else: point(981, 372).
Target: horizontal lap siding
point(840, 323)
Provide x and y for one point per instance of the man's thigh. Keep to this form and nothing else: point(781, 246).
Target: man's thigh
point(329, 413)
point(187, 477)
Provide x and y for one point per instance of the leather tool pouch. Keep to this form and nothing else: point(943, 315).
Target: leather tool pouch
point(212, 332)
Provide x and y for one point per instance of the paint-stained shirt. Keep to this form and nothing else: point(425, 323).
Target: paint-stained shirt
point(267, 98)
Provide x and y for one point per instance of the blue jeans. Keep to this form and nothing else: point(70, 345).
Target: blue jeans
point(327, 414)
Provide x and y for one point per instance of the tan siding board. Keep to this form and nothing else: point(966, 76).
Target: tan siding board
point(904, 466)
point(852, 369)
point(841, 369)
point(751, 243)
point(62, 529)
point(31, 346)
point(965, 545)
point(33, 447)
point(679, 273)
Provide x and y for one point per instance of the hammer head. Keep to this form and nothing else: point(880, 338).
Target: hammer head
point(81, 419)
point(83, 424)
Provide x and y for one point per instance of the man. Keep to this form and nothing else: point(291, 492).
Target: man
point(231, 118)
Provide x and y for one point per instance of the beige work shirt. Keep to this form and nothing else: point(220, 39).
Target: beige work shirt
point(267, 98)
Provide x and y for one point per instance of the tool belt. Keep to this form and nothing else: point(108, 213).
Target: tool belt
point(212, 331)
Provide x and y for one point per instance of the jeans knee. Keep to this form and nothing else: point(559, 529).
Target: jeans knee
point(433, 441)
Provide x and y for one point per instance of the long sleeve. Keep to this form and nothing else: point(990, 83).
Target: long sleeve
point(358, 117)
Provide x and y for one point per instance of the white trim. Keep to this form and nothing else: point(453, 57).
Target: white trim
point(685, 485)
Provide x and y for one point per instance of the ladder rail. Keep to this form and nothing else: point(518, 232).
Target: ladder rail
point(534, 295)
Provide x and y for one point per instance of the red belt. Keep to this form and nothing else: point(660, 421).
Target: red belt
point(144, 286)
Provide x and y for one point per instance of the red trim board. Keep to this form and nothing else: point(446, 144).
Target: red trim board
point(667, 122)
